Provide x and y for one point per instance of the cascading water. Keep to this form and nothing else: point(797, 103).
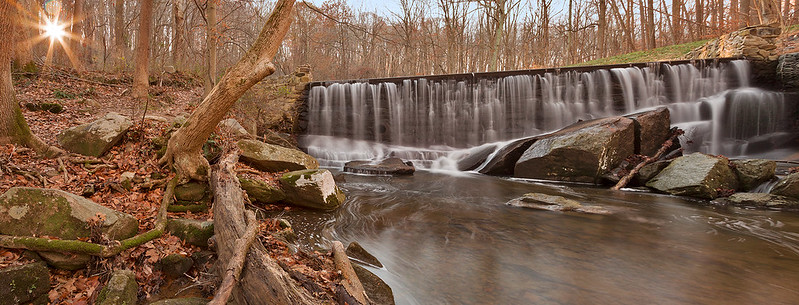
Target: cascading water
point(432, 122)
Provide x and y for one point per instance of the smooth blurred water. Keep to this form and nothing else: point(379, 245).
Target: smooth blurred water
point(450, 239)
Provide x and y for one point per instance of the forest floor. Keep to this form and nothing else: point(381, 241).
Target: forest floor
point(85, 98)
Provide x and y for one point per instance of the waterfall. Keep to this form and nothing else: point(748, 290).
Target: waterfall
point(427, 119)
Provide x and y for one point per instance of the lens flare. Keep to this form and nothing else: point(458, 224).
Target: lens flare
point(54, 30)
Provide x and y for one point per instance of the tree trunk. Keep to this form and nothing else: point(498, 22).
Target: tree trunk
point(745, 12)
point(263, 281)
point(77, 32)
point(603, 26)
point(650, 21)
point(734, 22)
point(211, 37)
point(141, 77)
point(676, 28)
point(700, 19)
point(184, 148)
point(770, 11)
point(177, 33)
point(119, 34)
point(13, 128)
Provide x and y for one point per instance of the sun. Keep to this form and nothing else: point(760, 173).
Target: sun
point(54, 30)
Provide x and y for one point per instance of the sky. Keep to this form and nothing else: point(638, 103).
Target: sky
point(385, 7)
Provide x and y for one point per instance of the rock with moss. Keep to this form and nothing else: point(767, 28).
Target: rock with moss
point(174, 265)
point(313, 188)
point(120, 290)
point(695, 175)
point(25, 284)
point(753, 172)
point(65, 261)
point(26, 211)
point(261, 191)
point(195, 232)
point(787, 186)
point(192, 191)
point(95, 138)
point(273, 158)
point(181, 301)
point(582, 152)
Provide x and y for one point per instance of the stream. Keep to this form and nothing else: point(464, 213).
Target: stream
point(449, 238)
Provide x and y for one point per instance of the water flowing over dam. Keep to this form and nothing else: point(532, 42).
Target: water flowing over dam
point(425, 119)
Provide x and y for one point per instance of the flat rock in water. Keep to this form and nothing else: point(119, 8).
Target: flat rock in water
point(26, 211)
point(753, 172)
point(696, 175)
point(760, 200)
point(555, 203)
point(273, 158)
point(582, 152)
point(312, 188)
point(95, 138)
point(390, 166)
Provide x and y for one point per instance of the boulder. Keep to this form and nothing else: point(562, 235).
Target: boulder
point(95, 138)
point(759, 200)
point(260, 191)
point(649, 171)
point(472, 158)
point(376, 289)
point(26, 211)
point(753, 172)
point(540, 201)
point(652, 128)
point(389, 166)
point(174, 265)
point(234, 128)
point(120, 290)
point(354, 250)
point(192, 191)
point(182, 301)
point(788, 186)
point(25, 284)
point(696, 175)
point(580, 153)
point(313, 188)
point(65, 261)
point(504, 161)
point(273, 158)
point(195, 232)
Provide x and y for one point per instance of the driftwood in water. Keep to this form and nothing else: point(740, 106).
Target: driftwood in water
point(263, 281)
point(351, 289)
point(663, 148)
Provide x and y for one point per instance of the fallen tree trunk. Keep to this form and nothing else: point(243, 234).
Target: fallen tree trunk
point(352, 288)
point(233, 271)
point(263, 281)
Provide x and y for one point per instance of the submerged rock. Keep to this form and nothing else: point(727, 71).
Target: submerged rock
point(788, 186)
point(760, 200)
point(273, 158)
point(25, 284)
point(753, 172)
point(696, 175)
point(555, 203)
point(95, 138)
point(120, 290)
point(389, 166)
point(313, 188)
point(260, 191)
point(580, 153)
point(26, 211)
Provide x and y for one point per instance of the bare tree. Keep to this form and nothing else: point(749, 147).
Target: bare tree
point(141, 78)
point(212, 39)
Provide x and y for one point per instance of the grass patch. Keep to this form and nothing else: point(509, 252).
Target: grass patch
point(671, 52)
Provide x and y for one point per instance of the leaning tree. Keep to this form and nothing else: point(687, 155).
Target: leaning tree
point(184, 151)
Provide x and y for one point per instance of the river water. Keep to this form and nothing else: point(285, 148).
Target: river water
point(449, 238)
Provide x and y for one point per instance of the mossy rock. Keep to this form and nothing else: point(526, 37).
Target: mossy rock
point(52, 107)
point(273, 158)
point(26, 211)
point(174, 265)
point(695, 175)
point(753, 172)
point(192, 191)
point(24, 284)
point(120, 290)
point(788, 186)
point(260, 191)
point(313, 188)
point(95, 138)
point(195, 232)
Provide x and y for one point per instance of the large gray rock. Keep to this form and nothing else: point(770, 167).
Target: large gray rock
point(788, 186)
point(760, 200)
point(26, 211)
point(504, 161)
point(95, 138)
point(649, 171)
point(195, 232)
point(24, 284)
point(652, 128)
point(695, 175)
point(581, 152)
point(389, 166)
point(260, 191)
point(547, 202)
point(753, 172)
point(273, 158)
point(313, 188)
point(120, 290)
point(234, 128)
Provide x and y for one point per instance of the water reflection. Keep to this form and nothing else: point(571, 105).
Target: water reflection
point(451, 240)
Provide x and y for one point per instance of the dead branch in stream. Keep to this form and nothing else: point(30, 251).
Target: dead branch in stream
point(663, 148)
